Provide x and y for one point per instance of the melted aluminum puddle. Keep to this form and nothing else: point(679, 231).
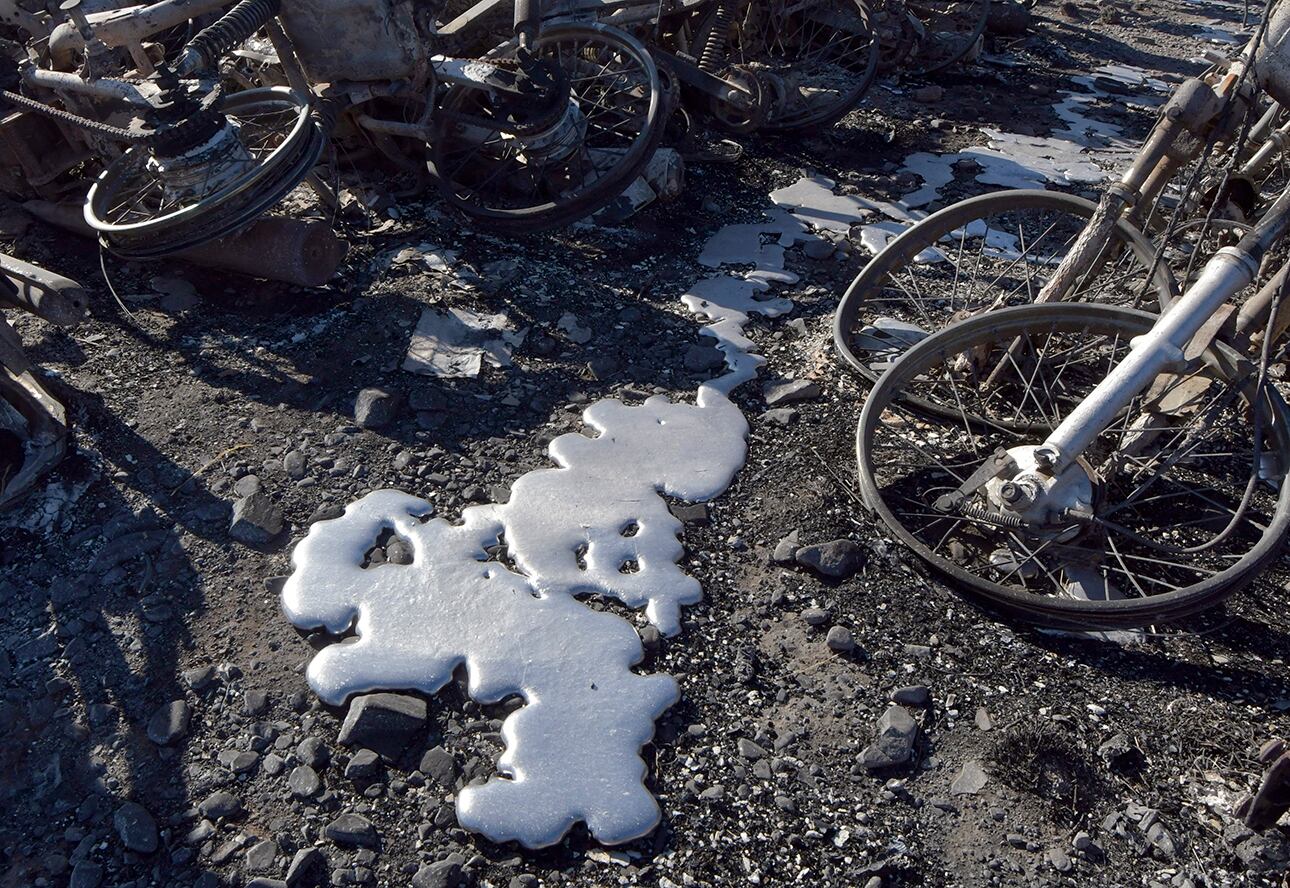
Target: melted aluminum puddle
point(597, 523)
point(1074, 156)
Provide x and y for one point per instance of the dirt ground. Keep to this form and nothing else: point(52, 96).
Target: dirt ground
point(1090, 763)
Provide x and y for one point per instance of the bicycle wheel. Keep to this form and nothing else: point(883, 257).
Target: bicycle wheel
point(818, 57)
point(980, 254)
point(550, 176)
point(1136, 531)
point(144, 206)
point(950, 30)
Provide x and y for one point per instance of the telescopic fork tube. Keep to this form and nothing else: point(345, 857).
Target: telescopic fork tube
point(1161, 348)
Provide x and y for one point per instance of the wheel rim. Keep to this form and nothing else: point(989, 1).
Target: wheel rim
point(614, 100)
point(822, 51)
point(136, 211)
point(1173, 485)
point(989, 252)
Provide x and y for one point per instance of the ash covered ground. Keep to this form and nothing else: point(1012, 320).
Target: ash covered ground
point(158, 727)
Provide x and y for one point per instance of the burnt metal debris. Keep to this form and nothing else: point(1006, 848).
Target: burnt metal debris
point(33, 421)
point(179, 129)
point(1262, 809)
point(180, 123)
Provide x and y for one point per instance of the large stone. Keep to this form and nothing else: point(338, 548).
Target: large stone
point(384, 723)
point(837, 559)
point(351, 831)
point(256, 520)
point(169, 723)
point(894, 744)
point(375, 408)
point(136, 828)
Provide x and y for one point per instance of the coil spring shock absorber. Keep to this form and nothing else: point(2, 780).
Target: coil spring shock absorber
point(989, 516)
point(235, 26)
point(713, 57)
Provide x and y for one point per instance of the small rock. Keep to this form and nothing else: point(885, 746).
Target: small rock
point(971, 779)
point(1121, 754)
point(86, 874)
point(439, 765)
point(306, 861)
point(220, 804)
point(894, 744)
point(912, 695)
point(363, 765)
point(816, 616)
point(750, 750)
point(136, 828)
point(261, 855)
point(1161, 840)
point(699, 358)
point(982, 719)
point(837, 559)
point(352, 830)
point(785, 549)
point(1008, 18)
point(690, 513)
point(256, 520)
point(313, 752)
point(781, 416)
point(790, 392)
point(375, 408)
point(255, 703)
point(440, 874)
point(928, 94)
point(304, 782)
point(169, 723)
point(385, 723)
point(295, 464)
point(819, 248)
point(199, 678)
point(839, 640)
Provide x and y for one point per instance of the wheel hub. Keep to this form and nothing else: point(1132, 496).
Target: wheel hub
point(561, 139)
point(1041, 499)
point(205, 167)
